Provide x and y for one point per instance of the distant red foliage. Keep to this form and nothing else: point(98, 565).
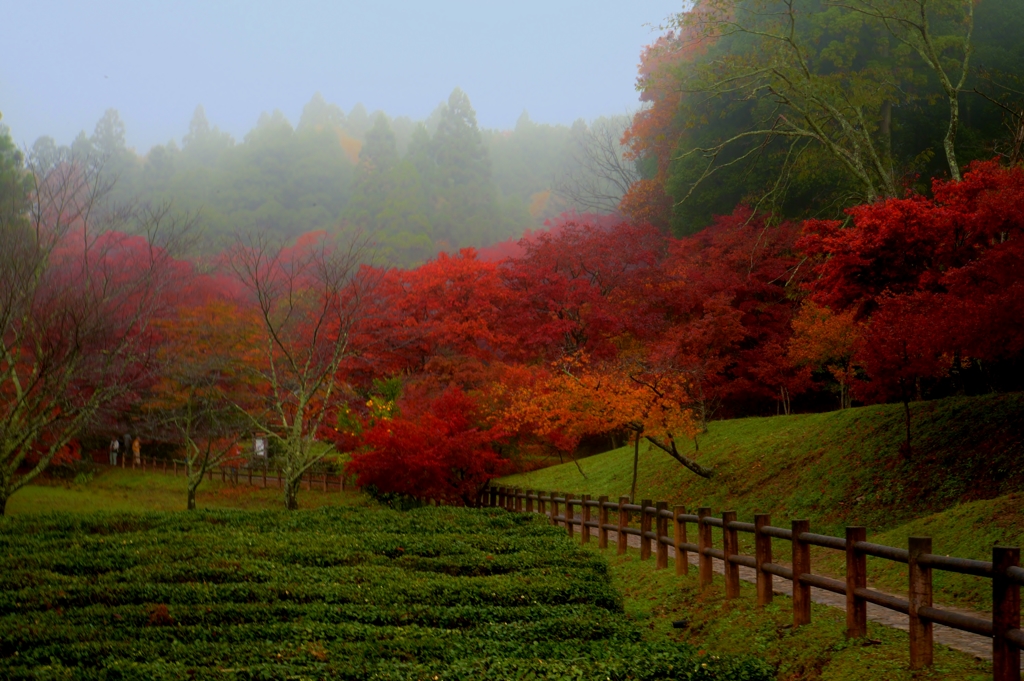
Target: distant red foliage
point(441, 453)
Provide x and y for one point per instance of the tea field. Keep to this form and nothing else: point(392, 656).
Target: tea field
point(340, 593)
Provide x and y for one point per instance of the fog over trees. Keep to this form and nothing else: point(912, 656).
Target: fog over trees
point(817, 205)
point(415, 187)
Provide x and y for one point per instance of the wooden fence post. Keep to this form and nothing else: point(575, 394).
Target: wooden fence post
point(645, 528)
point(704, 565)
point(569, 527)
point(856, 578)
point(801, 565)
point(529, 501)
point(602, 521)
point(519, 499)
point(585, 518)
point(679, 538)
point(920, 597)
point(762, 556)
point(1005, 614)
point(553, 508)
point(264, 478)
point(731, 547)
point(541, 508)
point(620, 536)
point(661, 532)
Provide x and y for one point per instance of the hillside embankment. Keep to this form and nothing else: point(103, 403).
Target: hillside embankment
point(961, 484)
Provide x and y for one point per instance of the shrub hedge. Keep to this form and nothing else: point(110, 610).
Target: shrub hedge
point(339, 593)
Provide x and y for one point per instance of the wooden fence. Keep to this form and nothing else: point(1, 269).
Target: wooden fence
point(1004, 570)
point(258, 477)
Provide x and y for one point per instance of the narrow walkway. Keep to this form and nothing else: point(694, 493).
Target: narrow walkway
point(972, 644)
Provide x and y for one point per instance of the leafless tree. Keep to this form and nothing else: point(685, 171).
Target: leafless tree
point(306, 300)
point(598, 174)
point(80, 282)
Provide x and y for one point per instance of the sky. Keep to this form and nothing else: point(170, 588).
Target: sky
point(63, 63)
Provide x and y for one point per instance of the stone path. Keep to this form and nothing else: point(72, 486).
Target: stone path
point(973, 644)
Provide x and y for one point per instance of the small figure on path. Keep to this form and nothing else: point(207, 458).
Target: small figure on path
point(136, 452)
point(115, 447)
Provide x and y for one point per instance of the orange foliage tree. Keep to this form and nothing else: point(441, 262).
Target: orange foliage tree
point(826, 340)
point(573, 398)
point(202, 378)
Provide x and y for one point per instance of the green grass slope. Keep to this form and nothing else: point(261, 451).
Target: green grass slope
point(117, 489)
point(838, 468)
point(963, 484)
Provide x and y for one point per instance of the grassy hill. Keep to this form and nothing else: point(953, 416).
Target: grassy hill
point(962, 484)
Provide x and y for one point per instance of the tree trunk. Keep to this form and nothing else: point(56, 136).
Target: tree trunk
point(191, 497)
point(949, 141)
point(885, 129)
point(906, 414)
point(636, 462)
point(291, 493)
point(685, 460)
point(956, 372)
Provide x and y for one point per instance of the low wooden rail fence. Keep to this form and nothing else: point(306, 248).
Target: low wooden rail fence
point(1004, 570)
point(258, 477)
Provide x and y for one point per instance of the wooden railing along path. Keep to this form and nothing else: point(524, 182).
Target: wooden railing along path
point(1004, 571)
point(258, 476)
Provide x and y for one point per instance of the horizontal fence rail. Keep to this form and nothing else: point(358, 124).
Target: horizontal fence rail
point(254, 476)
point(659, 527)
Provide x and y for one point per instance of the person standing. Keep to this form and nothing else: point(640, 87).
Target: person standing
point(136, 453)
point(115, 447)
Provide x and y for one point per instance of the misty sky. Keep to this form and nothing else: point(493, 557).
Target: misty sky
point(62, 64)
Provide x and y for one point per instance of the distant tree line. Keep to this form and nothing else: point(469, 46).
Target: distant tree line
point(414, 187)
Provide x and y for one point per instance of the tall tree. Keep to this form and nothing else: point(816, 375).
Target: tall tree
point(306, 300)
point(599, 171)
point(77, 298)
point(109, 136)
point(458, 149)
point(946, 53)
point(201, 376)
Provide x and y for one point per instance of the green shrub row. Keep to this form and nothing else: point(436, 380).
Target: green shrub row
point(433, 593)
